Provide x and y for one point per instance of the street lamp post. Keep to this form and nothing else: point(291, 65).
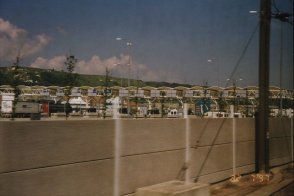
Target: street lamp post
point(217, 70)
point(235, 93)
point(129, 45)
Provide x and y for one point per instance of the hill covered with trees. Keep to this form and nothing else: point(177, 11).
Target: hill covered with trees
point(44, 77)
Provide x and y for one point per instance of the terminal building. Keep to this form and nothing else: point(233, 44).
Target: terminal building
point(147, 101)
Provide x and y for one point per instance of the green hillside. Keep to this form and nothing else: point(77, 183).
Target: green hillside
point(43, 77)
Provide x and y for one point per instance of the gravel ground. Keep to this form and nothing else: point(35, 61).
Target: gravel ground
point(248, 185)
point(288, 190)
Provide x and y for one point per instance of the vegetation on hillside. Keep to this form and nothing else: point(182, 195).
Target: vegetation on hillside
point(43, 77)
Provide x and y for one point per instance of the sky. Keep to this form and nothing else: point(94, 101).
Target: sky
point(185, 41)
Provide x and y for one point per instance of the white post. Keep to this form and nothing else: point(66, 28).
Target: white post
point(117, 144)
point(187, 154)
point(292, 140)
point(234, 147)
point(232, 109)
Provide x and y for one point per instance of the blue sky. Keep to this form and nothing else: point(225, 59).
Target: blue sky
point(190, 41)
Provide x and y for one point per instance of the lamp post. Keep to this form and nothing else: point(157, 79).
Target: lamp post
point(234, 90)
point(120, 75)
point(129, 44)
point(217, 69)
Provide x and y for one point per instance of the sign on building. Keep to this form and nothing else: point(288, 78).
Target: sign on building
point(6, 106)
point(7, 97)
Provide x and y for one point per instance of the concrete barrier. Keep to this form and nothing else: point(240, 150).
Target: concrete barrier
point(75, 157)
point(175, 188)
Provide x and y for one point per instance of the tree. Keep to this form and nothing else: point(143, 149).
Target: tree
point(71, 79)
point(70, 64)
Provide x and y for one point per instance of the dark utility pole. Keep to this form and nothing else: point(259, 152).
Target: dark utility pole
point(293, 86)
point(106, 91)
point(262, 135)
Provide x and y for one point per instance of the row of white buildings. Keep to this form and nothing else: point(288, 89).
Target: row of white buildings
point(245, 100)
point(250, 92)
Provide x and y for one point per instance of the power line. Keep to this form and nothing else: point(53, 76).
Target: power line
point(242, 54)
point(275, 6)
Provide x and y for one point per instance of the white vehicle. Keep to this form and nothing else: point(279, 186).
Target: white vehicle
point(173, 113)
point(22, 109)
point(216, 115)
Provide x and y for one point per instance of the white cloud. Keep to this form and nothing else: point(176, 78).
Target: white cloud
point(13, 40)
point(34, 46)
point(10, 30)
point(56, 63)
point(118, 67)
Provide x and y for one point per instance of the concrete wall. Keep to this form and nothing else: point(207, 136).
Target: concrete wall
point(75, 157)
